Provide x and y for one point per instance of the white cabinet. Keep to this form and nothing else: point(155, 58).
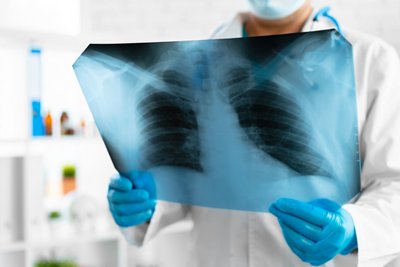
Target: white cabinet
point(11, 197)
point(33, 188)
point(24, 229)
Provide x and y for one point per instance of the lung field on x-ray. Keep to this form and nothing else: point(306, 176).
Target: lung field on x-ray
point(275, 123)
point(168, 124)
point(272, 119)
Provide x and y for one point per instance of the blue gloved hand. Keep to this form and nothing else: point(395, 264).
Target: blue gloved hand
point(132, 200)
point(316, 231)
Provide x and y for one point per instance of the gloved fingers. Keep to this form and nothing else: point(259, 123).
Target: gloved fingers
point(132, 208)
point(308, 212)
point(322, 257)
point(302, 227)
point(330, 244)
point(132, 220)
point(318, 262)
point(297, 240)
point(120, 183)
point(326, 204)
point(132, 196)
point(314, 257)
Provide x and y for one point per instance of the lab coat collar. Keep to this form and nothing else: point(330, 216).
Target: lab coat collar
point(233, 28)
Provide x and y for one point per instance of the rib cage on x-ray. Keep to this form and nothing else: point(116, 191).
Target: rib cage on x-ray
point(168, 123)
point(275, 123)
point(231, 123)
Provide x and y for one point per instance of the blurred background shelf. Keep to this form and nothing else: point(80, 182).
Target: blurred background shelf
point(42, 145)
point(21, 36)
point(13, 247)
point(67, 242)
point(13, 148)
point(76, 240)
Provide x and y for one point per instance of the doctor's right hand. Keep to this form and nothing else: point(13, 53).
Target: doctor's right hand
point(132, 200)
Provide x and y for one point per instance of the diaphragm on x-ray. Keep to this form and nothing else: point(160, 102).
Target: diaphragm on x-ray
point(230, 123)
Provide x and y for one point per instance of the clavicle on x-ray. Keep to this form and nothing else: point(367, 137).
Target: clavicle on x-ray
point(232, 123)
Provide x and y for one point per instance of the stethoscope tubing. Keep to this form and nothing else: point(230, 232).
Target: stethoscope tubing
point(324, 12)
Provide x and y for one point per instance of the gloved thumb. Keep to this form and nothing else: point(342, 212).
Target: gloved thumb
point(139, 179)
point(143, 180)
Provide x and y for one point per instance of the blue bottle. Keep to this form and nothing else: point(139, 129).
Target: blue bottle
point(35, 90)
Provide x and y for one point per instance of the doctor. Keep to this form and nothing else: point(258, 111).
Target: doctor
point(363, 233)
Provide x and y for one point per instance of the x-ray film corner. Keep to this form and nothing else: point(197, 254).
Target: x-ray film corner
point(232, 123)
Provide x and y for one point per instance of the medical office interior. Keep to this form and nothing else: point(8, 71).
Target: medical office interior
point(54, 167)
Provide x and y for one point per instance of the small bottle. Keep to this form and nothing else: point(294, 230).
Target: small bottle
point(65, 124)
point(82, 127)
point(34, 78)
point(48, 124)
point(37, 119)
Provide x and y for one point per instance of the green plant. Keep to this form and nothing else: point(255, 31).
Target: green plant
point(54, 215)
point(55, 263)
point(69, 171)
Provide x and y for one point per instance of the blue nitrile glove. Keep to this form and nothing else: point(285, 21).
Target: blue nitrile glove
point(316, 231)
point(132, 200)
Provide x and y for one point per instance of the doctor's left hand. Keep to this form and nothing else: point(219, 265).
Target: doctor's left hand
point(316, 231)
point(132, 199)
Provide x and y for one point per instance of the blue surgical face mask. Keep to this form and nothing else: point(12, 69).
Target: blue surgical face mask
point(275, 9)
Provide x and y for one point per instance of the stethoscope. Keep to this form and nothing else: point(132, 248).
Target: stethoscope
point(324, 12)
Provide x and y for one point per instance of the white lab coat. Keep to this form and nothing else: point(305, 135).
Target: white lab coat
point(234, 238)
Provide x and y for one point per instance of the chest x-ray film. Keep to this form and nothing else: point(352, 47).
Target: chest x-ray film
point(232, 123)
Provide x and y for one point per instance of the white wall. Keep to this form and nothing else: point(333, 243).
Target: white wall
point(56, 16)
point(156, 20)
